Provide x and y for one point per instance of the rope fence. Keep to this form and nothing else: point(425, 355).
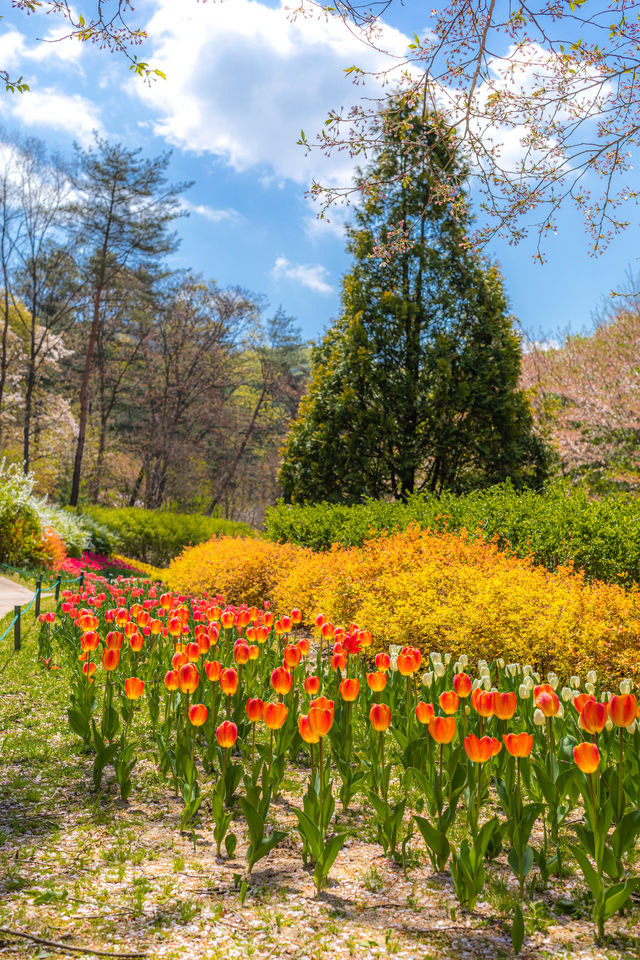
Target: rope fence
point(18, 611)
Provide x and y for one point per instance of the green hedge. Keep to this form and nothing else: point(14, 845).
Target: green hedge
point(556, 526)
point(157, 536)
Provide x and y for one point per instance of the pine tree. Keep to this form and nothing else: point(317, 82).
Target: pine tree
point(415, 387)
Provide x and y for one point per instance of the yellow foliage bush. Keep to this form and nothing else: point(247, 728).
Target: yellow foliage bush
point(242, 569)
point(445, 591)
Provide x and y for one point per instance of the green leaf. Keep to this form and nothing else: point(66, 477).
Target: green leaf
point(617, 895)
point(434, 840)
point(588, 871)
point(517, 930)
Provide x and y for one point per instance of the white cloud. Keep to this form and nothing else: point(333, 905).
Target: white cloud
point(243, 79)
point(209, 213)
point(45, 108)
point(313, 277)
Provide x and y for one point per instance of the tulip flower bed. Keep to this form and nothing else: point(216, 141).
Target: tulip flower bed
point(481, 802)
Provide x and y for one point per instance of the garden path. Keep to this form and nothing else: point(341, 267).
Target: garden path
point(12, 593)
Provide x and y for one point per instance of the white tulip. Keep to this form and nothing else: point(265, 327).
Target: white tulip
point(464, 660)
point(625, 686)
point(439, 670)
point(589, 687)
point(524, 692)
point(427, 679)
point(447, 659)
point(394, 663)
point(475, 684)
point(539, 718)
point(500, 663)
point(609, 724)
point(592, 677)
point(632, 727)
point(536, 677)
point(435, 657)
point(567, 694)
point(574, 682)
point(560, 712)
point(527, 669)
point(528, 682)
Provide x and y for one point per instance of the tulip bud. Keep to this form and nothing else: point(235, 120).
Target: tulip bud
point(524, 692)
point(539, 717)
point(447, 659)
point(536, 677)
point(457, 667)
point(463, 660)
point(439, 669)
point(486, 682)
point(632, 727)
point(574, 682)
point(625, 686)
point(476, 683)
point(427, 679)
point(528, 682)
point(609, 724)
point(394, 649)
point(500, 663)
point(589, 687)
point(527, 670)
point(567, 694)
point(393, 665)
point(592, 677)
point(553, 681)
point(435, 657)
point(467, 710)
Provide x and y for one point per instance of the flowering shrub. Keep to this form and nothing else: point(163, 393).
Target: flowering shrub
point(441, 591)
point(242, 569)
point(55, 554)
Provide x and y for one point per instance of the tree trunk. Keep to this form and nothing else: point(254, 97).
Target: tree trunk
point(84, 400)
point(238, 456)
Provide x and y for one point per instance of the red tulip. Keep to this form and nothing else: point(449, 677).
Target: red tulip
point(229, 681)
point(254, 709)
point(171, 680)
point(110, 659)
point(382, 661)
point(593, 716)
point(312, 685)
point(227, 734)
point(188, 677)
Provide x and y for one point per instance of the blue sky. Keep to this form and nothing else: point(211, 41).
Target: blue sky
point(242, 80)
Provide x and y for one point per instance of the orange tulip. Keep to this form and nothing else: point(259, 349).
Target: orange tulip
point(482, 702)
point(479, 750)
point(171, 680)
point(227, 619)
point(274, 715)
point(296, 615)
point(312, 685)
point(188, 677)
point(179, 659)
point(114, 640)
point(192, 651)
point(504, 704)
point(622, 709)
point(448, 702)
point(110, 659)
point(136, 642)
point(133, 688)
point(90, 640)
point(89, 669)
point(593, 716)
point(281, 680)
point(424, 712)
point(542, 688)
point(254, 652)
point(292, 655)
point(327, 630)
point(254, 709)
point(377, 681)
point(442, 729)
point(241, 652)
point(581, 699)
point(339, 661)
point(587, 757)
point(306, 732)
point(462, 684)
point(547, 702)
point(229, 681)
point(227, 734)
point(198, 714)
point(303, 646)
point(382, 661)
point(518, 744)
point(174, 627)
point(380, 717)
point(409, 660)
point(349, 690)
point(213, 669)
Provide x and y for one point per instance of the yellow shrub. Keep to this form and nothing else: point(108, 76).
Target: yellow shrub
point(243, 570)
point(447, 592)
